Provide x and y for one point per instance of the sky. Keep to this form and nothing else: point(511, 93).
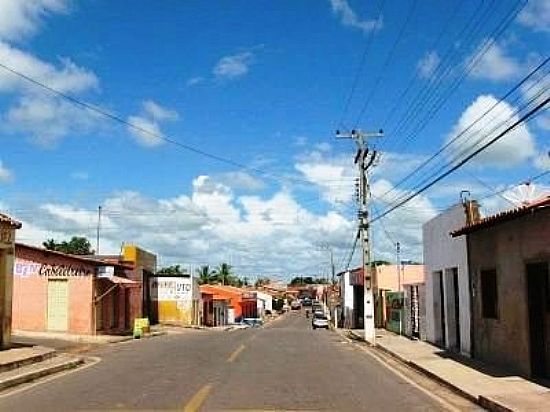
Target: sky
point(212, 134)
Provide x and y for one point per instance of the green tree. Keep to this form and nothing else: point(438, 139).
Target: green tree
point(76, 246)
point(205, 274)
point(172, 270)
point(223, 274)
point(262, 282)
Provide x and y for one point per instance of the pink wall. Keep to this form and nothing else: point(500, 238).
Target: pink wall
point(30, 290)
point(387, 276)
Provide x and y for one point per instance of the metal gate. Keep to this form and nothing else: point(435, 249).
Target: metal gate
point(415, 323)
point(58, 304)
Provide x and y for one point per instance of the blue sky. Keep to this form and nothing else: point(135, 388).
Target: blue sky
point(263, 84)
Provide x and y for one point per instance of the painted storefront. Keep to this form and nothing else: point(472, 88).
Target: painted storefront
point(175, 299)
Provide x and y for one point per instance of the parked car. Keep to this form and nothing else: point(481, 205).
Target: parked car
point(306, 302)
point(253, 322)
point(295, 305)
point(319, 321)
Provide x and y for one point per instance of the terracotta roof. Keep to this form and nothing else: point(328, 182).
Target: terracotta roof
point(6, 219)
point(511, 214)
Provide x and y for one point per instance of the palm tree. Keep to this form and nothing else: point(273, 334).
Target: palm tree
point(205, 275)
point(223, 273)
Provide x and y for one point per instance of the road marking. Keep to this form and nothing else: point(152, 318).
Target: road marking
point(234, 355)
point(380, 360)
point(198, 399)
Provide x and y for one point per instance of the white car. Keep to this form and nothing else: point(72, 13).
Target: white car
point(319, 320)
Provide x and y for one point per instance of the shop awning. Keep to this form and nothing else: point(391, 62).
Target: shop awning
point(122, 281)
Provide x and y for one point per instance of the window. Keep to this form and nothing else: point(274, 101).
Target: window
point(489, 295)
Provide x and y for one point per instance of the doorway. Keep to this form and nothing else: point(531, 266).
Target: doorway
point(456, 308)
point(442, 321)
point(538, 305)
point(58, 304)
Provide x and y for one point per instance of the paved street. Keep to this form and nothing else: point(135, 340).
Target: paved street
point(284, 366)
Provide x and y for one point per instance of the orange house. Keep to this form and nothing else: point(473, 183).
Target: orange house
point(240, 305)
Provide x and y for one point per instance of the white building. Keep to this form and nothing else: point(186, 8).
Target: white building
point(448, 280)
point(264, 302)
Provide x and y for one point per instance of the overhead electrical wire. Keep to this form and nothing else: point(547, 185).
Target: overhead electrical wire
point(88, 106)
point(526, 117)
point(502, 99)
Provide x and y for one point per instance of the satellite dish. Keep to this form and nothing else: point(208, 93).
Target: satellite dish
point(523, 195)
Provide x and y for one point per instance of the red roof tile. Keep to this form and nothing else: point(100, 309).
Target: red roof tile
point(533, 207)
point(10, 221)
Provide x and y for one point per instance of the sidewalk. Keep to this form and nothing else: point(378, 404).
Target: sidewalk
point(488, 386)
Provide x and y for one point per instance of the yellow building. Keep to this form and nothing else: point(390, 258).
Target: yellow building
point(175, 300)
point(145, 266)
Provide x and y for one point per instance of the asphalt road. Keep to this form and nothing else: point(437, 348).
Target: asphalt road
point(283, 366)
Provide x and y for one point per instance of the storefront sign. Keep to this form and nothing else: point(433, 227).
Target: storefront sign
point(170, 288)
point(24, 268)
point(63, 271)
point(105, 271)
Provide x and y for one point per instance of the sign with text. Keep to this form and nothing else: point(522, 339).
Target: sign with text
point(171, 288)
point(25, 268)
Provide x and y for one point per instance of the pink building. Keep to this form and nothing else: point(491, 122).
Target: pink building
point(53, 291)
point(392, 277)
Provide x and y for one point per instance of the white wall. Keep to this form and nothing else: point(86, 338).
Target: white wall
point(347, 298)
point(441, 253)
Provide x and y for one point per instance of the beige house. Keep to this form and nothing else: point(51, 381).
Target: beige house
point(509, 258)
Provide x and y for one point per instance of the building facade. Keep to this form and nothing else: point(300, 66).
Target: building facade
point(8, 228)
point(57, 292)
point(509, 257)
point(175, 300)
point(447, 281)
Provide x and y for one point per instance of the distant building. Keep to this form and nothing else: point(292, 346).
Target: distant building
point(509, 264)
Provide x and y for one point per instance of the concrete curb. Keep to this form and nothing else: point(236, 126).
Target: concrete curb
point(29, 360)
point(481, 400)
point(39, 373)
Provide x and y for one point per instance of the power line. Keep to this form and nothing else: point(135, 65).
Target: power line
point(523, 119)
point(87, 106)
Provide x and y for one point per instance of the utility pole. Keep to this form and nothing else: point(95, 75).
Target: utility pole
point(364, 159)
point(98, 229)
point(398, 265)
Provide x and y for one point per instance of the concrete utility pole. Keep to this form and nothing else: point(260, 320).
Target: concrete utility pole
point(98, 229)
point(398, 265)
point(364, 159)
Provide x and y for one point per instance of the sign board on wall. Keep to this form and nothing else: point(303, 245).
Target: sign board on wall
point(25, 268)
point(105, 271)
point(171, 288)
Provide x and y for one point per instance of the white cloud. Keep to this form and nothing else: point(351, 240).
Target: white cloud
point(333, 175)
point(496, 64)
point(6, 175)
point(536, 89)
point(146, 126)
point(234, 66)
point(147, 132)
point(542, 160)
point(159, 113)
point(65, 77)
point(349, 18)
point(512, 149)
point(428, 63)
point(536, 15)
point(241, 180)
point(80, 175)
point(47, 119)
point(195, 80)
point(22, 18)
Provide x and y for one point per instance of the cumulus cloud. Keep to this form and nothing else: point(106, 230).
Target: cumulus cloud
point(542, 160)
point(428, 63)
point(145, 127)
point(22, 18)
point(44, 117)
point(496, 64)
point(536, 16)
point(241, 180)
point(6, 175)
point(208, 225)
point(65, 77)
point(349, 18)
point(233, 66)
point(195, 80)
point(514, 148)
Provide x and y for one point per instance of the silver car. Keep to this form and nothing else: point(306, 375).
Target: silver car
point(319, 320)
